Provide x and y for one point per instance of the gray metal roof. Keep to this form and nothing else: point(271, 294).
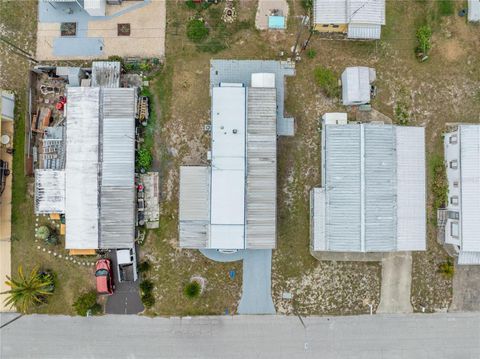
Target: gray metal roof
point(261, 186)
point(194, 206)
point(49, 191)
point(106, 74)
point(240, 71)
point(364, 166)
point(7, 105)
point(349, 12)
point(117, 189)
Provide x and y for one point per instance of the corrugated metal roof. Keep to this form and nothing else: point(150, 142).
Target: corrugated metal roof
point(49, 191)
point(261, 186)
point(473, 10)
point(364, 31)
point(356, 85)
point(470, 187)
point(53, 148)
point(106, 74)
point(362, 200)
point(117, 210)
point(81, 170)
point(349, 12)
point(411, 215)
point(194, 206)
point(317, 219)
point(468, 258)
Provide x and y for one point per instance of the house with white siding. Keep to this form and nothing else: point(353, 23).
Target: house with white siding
point(458, 223)
point(372, 194)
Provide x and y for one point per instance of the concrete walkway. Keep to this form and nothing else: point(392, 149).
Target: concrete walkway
point(217, 256)
point(396, 283)
point(257, 283)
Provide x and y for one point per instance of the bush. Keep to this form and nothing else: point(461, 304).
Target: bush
point(447, 269)
point(52, 239)
point(307, 4)
point(445, 7)
point(144, 266)
point(311, 53)
point(87, 302)
point(190, 4)
point(148, 300)
point(192, 290)
point(196, 30)
point(401, 113)
point(424, 34)
point(327, 80)
point(146, 286)
point(144, 158)
point(43, 232)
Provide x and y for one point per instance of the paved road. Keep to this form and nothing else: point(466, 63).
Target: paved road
point(434, 336)
point(396, 283)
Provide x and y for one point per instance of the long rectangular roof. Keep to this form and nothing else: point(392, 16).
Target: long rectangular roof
point(117, 206)
point(81, 169)
point(369, 187)
point(349, 12)
point(473, 10)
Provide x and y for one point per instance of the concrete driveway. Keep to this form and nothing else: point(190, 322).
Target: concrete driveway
point(257, 283)
point(466, 289)
point(396, 283)
point(126, 297)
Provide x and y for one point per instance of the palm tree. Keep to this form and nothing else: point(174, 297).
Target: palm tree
point(26, 291)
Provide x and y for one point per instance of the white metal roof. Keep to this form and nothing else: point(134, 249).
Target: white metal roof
point(95, 7)
point(371, 193)
point(7, 105)
point(349, 12)
point(49, 191)
point(356, 85)
point(81, 169)
point(473, 10)
point(470, 187)
point(228, 156)
point(364, 31)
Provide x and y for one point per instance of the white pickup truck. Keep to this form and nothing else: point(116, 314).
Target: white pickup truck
point(127, 265)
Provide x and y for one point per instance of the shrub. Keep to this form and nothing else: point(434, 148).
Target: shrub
point(148, 300)
point(190, 4)
point(424, 34)
point(192, 290)
point(196, 30)
point(447, 269)
point(87, 302)
point(311, 53)
point(144, 158)
point(307, 4)
point(445, 7)
point(144, 266)
point(146, 286)
point(43, 232)
point(327, 80)
point(401, 113)
point(52, 239)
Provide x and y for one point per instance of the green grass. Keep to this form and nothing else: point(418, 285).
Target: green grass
point(446, 7)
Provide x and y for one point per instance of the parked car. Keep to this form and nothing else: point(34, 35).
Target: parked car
point(104, 276)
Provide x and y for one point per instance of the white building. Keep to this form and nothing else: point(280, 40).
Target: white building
point(372, 197)
point(474, 10)
point(231, 204)
point(459, 226)
point(359, 19)
point(357, 84)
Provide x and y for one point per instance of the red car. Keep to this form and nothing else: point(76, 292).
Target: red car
point(104, 275)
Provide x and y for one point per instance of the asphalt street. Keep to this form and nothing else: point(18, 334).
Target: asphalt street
point(408, 336)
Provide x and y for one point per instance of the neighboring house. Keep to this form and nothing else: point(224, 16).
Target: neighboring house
point(372, 197)
point(94, 187)
point(357, 85)
point(458, 223)
point(7, 107)
point(359, 19)
point(231, 204)
point(98, 29)
point(474, 10)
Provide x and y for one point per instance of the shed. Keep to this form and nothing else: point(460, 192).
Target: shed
point(7, 105)
point(356, 85)
point(49, 191)
point(106, 74)
point(474, 10)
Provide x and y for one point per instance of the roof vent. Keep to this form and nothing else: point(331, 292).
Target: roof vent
point(235, 131)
